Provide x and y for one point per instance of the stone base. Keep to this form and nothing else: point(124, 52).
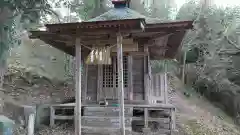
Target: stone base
point(18, 113)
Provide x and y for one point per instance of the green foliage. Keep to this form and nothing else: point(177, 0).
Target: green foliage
point(88, 9)
point(8, 40)
point(159, 66)
point(17, 15)
point(30, 10)
point(215, 34)
point(193, 55)
point(163, 10)
point(91, 8)
point(189, 11)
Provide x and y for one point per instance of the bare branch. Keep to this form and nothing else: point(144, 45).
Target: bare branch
point(232, 43)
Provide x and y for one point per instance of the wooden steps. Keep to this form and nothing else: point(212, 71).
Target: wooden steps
point(105, 120)
point(105, 111)
point(104, 131)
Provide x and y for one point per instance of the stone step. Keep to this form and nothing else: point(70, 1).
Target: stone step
point(105, 111)
point(104, 122)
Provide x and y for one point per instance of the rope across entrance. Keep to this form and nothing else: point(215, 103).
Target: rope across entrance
point(99, 56)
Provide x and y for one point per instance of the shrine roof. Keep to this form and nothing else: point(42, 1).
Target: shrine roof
point(165, 38)
point(122, 14)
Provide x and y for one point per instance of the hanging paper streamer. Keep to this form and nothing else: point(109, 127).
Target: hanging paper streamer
point(99, 55)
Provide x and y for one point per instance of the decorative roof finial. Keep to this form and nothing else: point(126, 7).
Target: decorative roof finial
point(119, 3)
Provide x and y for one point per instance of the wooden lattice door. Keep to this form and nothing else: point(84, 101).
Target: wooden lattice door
point(109, 79)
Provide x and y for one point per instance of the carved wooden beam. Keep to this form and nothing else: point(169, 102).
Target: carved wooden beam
point(132, 53)
point(113, 25)
point(110, 41)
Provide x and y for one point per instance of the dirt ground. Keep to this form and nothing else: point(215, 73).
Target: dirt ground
point(195, 116)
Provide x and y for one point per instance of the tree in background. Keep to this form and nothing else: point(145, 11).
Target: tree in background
point(78, 10)
point(213, 72)
point(15, 16)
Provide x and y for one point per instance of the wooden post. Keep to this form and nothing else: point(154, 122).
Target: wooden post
point(31, 122)
point(146, 89)
point(130, 78)
point(120, 83)
point(165, 83)
point(162, 87)
point(184, 67)
point(78, 107)
point(85, 84)
point(173, 118)
point(100, 83)
point(146, 129)
point(145, 117)
point(146, 77)
point(52, 116)
point(2, 73)
point(150, 77)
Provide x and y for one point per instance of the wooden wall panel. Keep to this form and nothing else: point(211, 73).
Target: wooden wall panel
point(138, 77)
point(92, 82)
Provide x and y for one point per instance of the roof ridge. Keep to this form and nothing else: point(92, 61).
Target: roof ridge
point(123, 13)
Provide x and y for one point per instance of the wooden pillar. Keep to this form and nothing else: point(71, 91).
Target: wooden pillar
point(146, 117)
point(120, 83)
point(146, 89)
point(130, 78)
point(162, 86)
point(31, 121)
point(52, 116)
point(165, 83)
point(150, 76)
point(85, 96)
point(146, 78)
point(184, 66)
point(146, 129)
point(78, 107)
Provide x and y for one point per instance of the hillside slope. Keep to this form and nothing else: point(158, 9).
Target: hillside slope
point(196, 116)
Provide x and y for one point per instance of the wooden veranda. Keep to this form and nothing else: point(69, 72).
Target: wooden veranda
point(128, 82)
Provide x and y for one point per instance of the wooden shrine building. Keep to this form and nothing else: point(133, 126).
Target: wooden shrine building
point(105, 89)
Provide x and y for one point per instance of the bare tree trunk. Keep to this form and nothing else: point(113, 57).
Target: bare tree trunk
point(3, 69)
point(5, 14)
point(1, 77)
point(184, 67)
point(2, 73)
